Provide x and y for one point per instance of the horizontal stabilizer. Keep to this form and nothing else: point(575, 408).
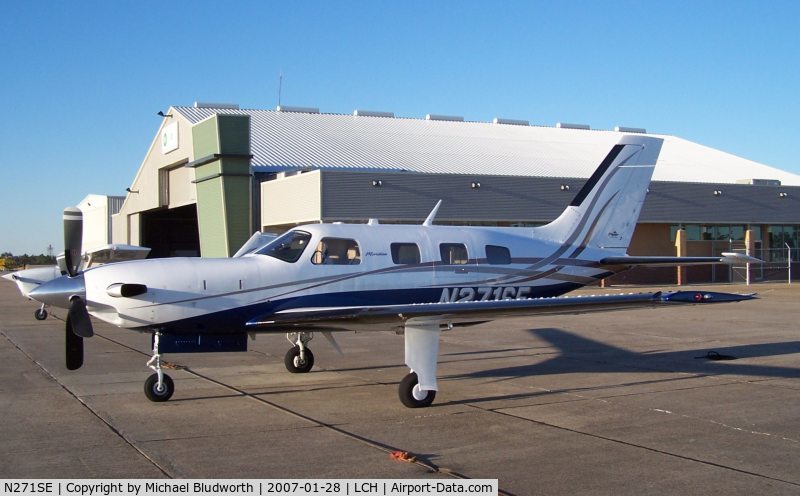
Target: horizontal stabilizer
point(734, 258)
point(726, 258)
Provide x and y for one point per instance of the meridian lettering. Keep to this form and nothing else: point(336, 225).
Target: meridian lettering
point(484, 293)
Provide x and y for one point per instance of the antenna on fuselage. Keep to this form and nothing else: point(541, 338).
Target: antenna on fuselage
point(432, 215)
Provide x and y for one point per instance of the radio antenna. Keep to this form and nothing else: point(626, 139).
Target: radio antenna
point(280, 86)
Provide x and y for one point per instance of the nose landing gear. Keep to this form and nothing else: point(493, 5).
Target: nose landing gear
point(159, 386)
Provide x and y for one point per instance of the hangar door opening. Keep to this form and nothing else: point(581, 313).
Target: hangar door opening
point(171, 232)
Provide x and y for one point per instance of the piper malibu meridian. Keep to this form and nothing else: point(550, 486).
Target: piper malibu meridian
point(418, 279)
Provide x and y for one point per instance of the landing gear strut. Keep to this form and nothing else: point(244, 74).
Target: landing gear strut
point(159, 386)
point(299, 359)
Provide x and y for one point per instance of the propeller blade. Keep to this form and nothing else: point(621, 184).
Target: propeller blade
point(79, 319)
point(73, 346)
point(73, 239)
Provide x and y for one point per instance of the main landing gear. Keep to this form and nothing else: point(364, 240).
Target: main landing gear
point(411, 395)
point(159, 386)
point(299, 359)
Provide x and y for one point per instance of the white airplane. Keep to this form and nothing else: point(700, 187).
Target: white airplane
point(29, 279)
point(418, 279)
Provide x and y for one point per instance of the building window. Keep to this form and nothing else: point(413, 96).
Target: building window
point(497, 255)
point(336, 251)
point(453, 253)
point(708, 232)
point(405, 253)
point(780, 236)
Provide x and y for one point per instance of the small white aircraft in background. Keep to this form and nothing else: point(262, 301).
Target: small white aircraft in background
point(29, 279)
point(418, 279)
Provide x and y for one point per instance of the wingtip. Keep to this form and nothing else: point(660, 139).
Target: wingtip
point(702, 297)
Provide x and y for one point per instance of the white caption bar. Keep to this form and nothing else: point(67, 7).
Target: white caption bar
point(249, 487)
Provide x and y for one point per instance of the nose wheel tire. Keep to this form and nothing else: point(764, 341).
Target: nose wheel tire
point(295, 364)
point(411, 395)
point(156, 394)
point(40, 314)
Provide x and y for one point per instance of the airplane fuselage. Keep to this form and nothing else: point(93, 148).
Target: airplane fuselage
point(339, 265)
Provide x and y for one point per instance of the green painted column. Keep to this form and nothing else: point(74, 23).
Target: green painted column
point(222, 175)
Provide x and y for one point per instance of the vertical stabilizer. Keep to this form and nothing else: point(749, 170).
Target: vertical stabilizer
point(603, 214)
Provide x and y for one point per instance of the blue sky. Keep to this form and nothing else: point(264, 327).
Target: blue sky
point(82, 81)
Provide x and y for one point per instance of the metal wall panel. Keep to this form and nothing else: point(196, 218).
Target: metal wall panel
point(351, 196)
point(291, 200)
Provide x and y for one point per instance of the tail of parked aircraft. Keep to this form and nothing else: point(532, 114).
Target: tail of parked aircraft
point(604, 212)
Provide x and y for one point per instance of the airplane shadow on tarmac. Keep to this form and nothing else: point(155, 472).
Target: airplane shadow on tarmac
point(577, 354)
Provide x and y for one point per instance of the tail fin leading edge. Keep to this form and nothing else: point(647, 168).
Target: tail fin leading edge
point(603, 214)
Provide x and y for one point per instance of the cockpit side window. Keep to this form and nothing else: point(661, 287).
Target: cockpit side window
point(287, 247)
point(336, 251)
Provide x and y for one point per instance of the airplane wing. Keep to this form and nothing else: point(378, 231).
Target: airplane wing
point(461, 313)
point(726, 258)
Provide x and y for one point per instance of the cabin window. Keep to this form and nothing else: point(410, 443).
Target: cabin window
point(287, 247)
point(405, 253)
point(453, 253)
point(497, 255)
point(336, 251)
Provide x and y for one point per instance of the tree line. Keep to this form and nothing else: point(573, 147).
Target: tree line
point(12, 261)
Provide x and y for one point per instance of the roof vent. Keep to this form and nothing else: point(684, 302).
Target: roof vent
point(298, 110)
point(564, 125)
point(229, 106)
point(452, 118)
point(510, 122)
point(637, 130)
point(372, 113)
point(760, 182)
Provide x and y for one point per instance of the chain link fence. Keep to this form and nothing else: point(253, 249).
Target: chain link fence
point(779, 265)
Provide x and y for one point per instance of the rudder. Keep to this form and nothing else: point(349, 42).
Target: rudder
point(603, 214)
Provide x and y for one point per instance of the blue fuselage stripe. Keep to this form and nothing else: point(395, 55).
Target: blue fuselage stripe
point(234, 320)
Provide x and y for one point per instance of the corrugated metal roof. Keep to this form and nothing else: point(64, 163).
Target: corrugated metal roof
point(336, 141)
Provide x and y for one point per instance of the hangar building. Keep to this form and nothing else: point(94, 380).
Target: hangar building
point(216, 173)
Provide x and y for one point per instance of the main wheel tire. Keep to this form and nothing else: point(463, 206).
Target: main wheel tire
point(40, 314)
point(293, 362)
point(410, 394)
point(153, 393)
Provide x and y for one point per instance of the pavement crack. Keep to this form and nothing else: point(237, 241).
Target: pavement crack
point(727, 426)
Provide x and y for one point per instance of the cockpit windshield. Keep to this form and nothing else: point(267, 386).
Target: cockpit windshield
point(287, 247)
